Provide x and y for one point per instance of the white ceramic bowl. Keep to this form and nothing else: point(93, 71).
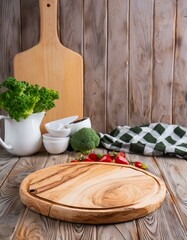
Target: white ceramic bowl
point(49, 137)
point(63, 132)
point(60, 128)
point(77, 125)
point(56, 147)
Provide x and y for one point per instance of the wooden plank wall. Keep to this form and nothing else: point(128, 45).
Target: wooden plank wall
point(135, 55)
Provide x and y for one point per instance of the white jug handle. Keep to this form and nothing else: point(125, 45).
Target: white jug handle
point(2, 143)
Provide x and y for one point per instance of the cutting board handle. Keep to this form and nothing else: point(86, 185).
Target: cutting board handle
point(48, 21)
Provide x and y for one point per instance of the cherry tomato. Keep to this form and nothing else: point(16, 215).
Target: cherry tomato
point(93, 156)
point(138, 164)
point(121, 154)
point(111, 156)
point(87, 160)
point(106, 159)
point(74, 160)
point(121, 160)
point(107, 156)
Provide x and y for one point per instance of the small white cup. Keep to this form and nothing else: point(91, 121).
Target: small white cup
point(56, 146)
point(77, 125)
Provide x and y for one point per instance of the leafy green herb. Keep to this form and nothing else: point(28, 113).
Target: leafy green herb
point(20, 99)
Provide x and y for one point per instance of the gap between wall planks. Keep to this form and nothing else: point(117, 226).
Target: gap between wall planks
point(135, 65)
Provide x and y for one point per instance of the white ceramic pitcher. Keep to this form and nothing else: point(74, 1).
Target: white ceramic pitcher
point(22, 138)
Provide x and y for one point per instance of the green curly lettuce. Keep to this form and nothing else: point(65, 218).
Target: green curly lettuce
point(20, 99)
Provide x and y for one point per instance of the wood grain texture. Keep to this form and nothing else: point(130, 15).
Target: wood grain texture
point(141, 60)
point(164, 28)
point(95, 57)
point(7, 162)
point(19, 223)
point(120, 231)
point(9, 40)
point(174, 171)
point(67, 156)
point(180, 83)
point(33, 226)
point(92, 192)
point(161, 224)
point(148, 78)
point(71, 24)
point(10, 204)
point(9, 36)
point(117, 80)
point(53, 66)
point(30, 27)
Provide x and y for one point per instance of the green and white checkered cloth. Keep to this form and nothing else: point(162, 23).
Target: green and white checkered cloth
point(155, 139)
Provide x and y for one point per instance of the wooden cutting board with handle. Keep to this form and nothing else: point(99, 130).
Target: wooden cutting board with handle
point(94, 193)
point(52, 65)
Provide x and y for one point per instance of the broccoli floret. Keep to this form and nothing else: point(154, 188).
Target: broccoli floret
point(84, 140)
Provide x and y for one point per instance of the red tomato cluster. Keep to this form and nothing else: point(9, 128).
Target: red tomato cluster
point(119, 158)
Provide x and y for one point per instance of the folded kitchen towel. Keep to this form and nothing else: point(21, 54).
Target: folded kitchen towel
point(155, 139)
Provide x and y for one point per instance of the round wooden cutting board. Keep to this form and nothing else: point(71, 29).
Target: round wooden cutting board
point(94, 193)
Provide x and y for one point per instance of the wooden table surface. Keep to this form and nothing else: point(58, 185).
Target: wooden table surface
point(18, 222)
